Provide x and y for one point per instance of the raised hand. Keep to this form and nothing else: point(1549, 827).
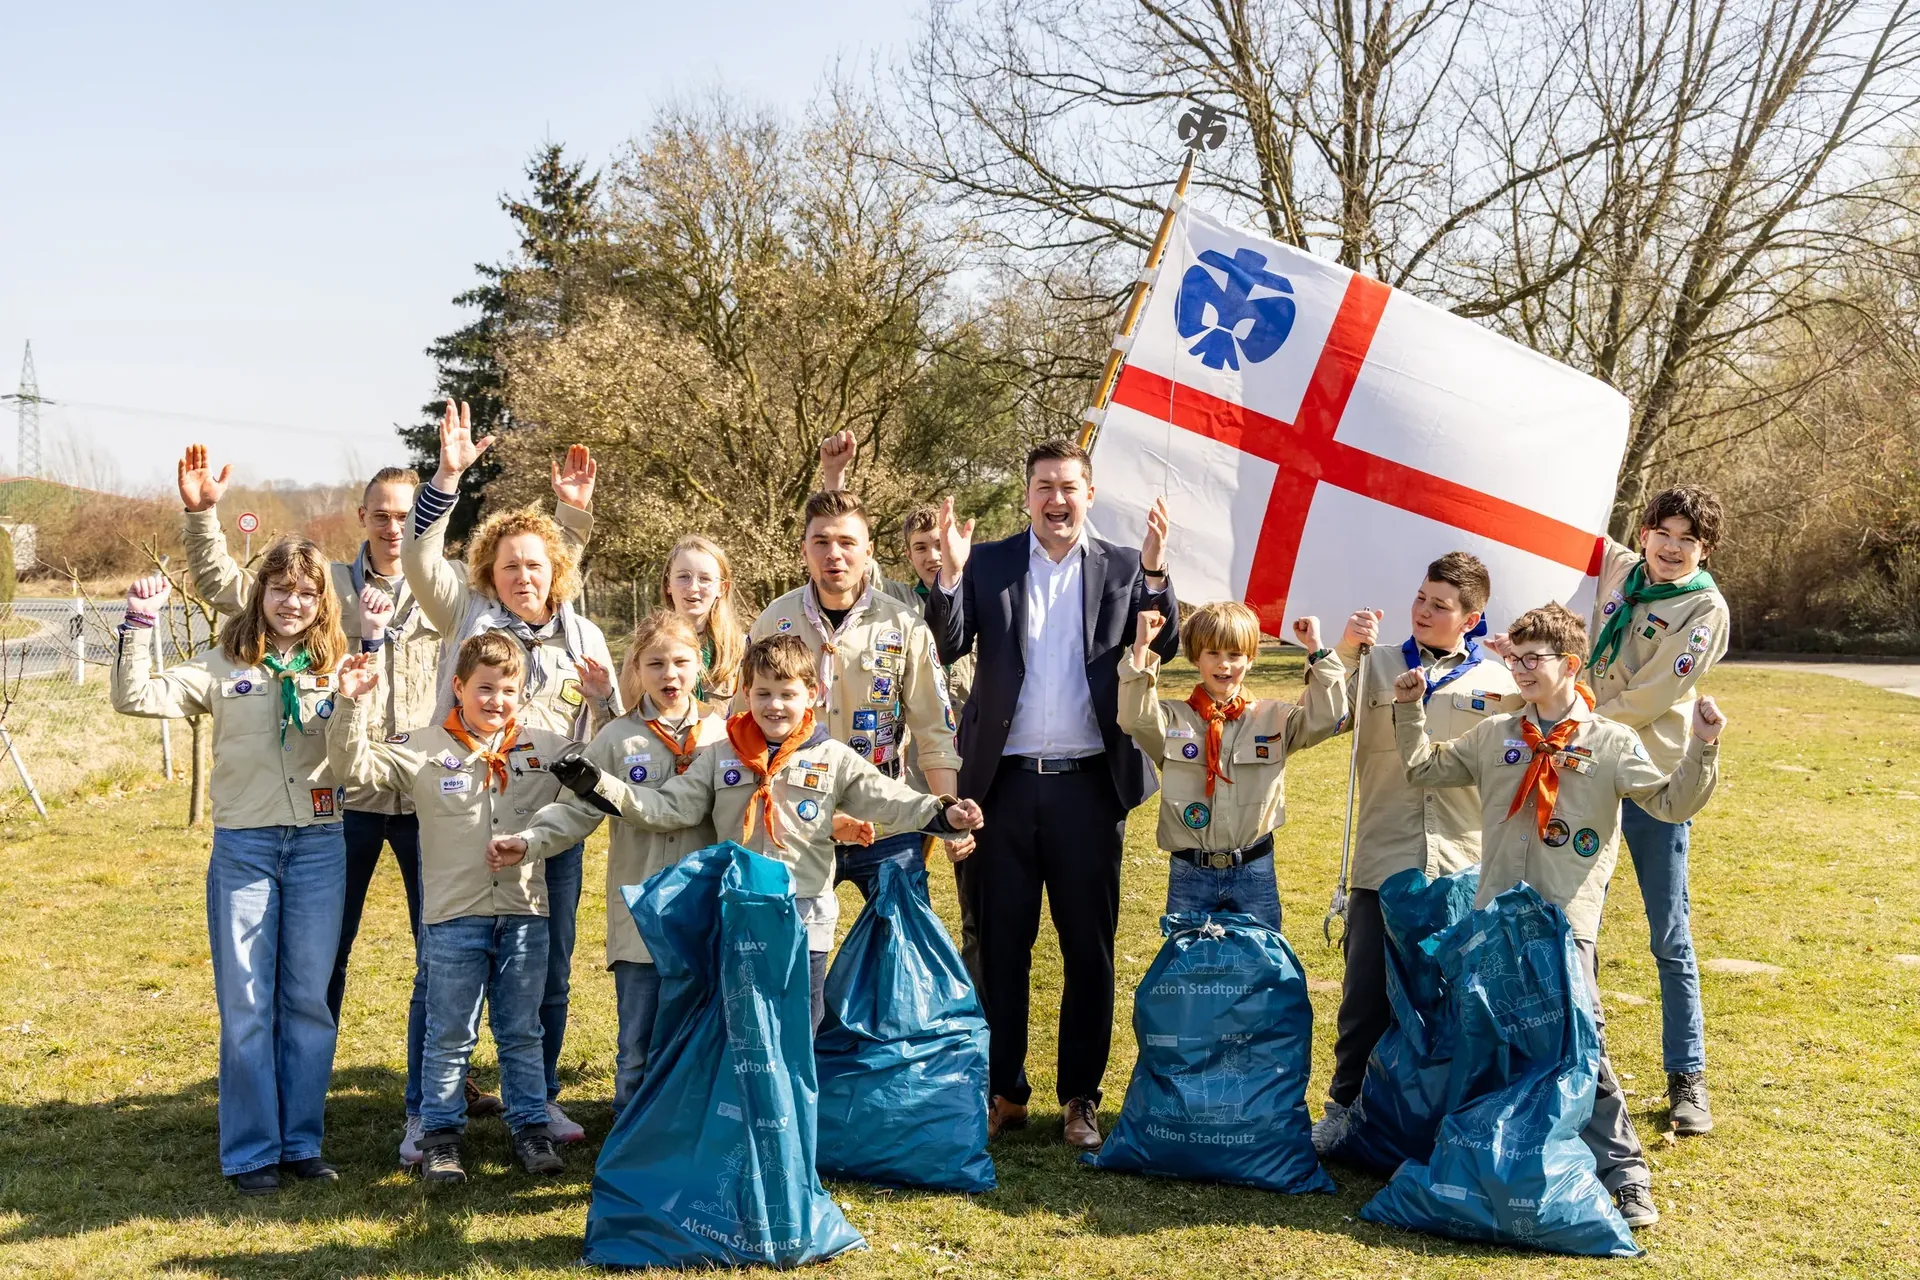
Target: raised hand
point(836, 456)
point(458, 449)
point(965, 815)
point(1708, 719)
point(1306, 631)
point(850, 830)
point(1410, 686)
point(1153, 547)
point(1363, 629)
point(146, 597)
point(359, 675)
point(1148, 626)
point(376, 611)
point(505, 851)
point(956, 544)
point(595, 680)
point(200, 488)
point(1499, 643)
point(573, 482)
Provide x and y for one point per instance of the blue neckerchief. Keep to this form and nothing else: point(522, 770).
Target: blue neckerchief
point(1475, 655)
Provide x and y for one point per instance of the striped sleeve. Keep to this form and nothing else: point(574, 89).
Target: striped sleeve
point(429, 504)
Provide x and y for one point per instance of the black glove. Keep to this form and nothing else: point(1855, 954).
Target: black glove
point(581, 776)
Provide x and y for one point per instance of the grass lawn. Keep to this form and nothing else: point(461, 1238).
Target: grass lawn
point(1807, 860)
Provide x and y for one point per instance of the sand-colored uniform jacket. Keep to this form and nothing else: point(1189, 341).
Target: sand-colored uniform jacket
point(409, 655)
point(1396, 824)
point(822, 778)
point(958, 675)
point(1602, 764)
point(1670, 644)
point(634, 755)
point(1253, 753)
point(460, 811)
point(258, 780)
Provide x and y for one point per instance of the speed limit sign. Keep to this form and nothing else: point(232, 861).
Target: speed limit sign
point(247, 522)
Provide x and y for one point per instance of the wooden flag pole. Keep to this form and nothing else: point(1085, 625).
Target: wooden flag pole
point(1203, 127)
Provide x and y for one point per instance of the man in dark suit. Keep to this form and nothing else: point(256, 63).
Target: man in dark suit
point(1051, 611)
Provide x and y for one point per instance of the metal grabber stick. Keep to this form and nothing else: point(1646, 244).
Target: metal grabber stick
point(1338, 909)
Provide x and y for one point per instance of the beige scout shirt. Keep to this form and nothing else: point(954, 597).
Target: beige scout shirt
point(258, 780)
point(1253, 753)
point(1396, 824)
point(408, 659)
point(1670, 644)
point(958, 675)
point(460, 810)
point(1602, 763)
point(823, 777)
point(630, 752)
point(447, 596)
point(887, 683)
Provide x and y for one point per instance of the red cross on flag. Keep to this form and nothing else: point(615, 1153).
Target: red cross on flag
point(1321, 438)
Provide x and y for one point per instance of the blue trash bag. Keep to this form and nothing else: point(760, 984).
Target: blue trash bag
point(902, 1054)
point(711, 1161)
point(1508, 1163)
point(1404, 1092)
point(1219, 1091)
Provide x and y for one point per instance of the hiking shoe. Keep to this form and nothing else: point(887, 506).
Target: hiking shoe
point(410, 1144)
point(312, 1169)
point(440, 1157)
point(561, 1128)
point(259, 1182)
point(1687, 1103)
point(1331, 1128)
point(533, 1147)
point(1635, 1202)
point(482, 1104)
point(1079, 1124)
point(1003, 1115)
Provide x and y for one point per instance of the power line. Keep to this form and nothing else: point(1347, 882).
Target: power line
point(28, 401)
point(208, 420)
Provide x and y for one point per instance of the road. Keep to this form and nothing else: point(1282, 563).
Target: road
point(52, 651)
point(1899, 677)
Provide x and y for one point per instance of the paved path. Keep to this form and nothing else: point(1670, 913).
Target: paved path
point(1900, 677)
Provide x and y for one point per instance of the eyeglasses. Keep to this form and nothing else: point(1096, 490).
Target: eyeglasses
point(292, 595)
point(1531, 661)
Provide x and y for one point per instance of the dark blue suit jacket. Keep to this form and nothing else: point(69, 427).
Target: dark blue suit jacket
point(993, 615)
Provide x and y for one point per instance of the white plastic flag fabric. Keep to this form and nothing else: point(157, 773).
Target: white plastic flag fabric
point(1321, 438)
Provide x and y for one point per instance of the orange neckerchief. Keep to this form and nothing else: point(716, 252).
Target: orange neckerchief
point(1217, 714)
point(684, 748)
point(1543, 777)
point(496, 760)
point(743, 731)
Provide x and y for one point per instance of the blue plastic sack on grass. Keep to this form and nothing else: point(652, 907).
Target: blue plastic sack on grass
point(1508, 1163)
point(1404, 1092)
point(1219, 1091)
point(711, 1162)
point(902, 1054)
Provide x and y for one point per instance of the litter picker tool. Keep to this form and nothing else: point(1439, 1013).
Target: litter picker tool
point(1338, 909)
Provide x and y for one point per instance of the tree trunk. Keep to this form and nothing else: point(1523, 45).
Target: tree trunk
point(197, 791)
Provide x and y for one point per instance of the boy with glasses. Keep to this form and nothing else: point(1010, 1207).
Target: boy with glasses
point(1551, 780)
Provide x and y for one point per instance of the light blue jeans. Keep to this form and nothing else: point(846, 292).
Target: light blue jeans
point(636, 995)
point(502, 960)
point(1248, 888)
point(274, 901)
point(563, 909)
point(1659, 851)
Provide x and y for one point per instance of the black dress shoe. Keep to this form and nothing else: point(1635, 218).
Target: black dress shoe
point(260, 1182)
point(312, 1169)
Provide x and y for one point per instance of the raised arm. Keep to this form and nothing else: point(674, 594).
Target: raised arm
point(440, 586)
point(948, 610)
point(871, 796)
point(357, 760)
point(219, 579)
point(929, 715)
point(1669, 676)
point(1322, 710)
point(1141, 716)
point(1679, 795)
point(186, 690)
point(1429, 763)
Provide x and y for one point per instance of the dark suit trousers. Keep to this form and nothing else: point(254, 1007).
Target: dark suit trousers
point(1061, 832)
point(1365, 1014)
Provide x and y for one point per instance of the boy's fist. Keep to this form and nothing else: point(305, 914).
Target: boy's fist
point(359, 675)
point(1306, 631)
point(504, 851)
point(1708, 719)
point(836, 455)
point(965, 815)
point(1363, 629)
point(850, 830)
point(1151, 620)
point(376, 611)
point(146, 597)
point(1411, 684)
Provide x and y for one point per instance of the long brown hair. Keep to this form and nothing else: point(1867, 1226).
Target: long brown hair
point(245, 636)
point(661, 624)
point(723, 624)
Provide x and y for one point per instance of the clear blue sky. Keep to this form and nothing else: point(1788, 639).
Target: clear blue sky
point(261, 213)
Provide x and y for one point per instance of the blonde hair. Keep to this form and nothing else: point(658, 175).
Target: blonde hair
point(661, 624)
point(244, 638)
point(506, 524)
point(490, 649)
point(1226, 626)
point(782, 657)
point(722, 626)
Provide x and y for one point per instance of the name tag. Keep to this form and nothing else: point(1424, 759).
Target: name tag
point(454, 786)
point(641, 757)
point(1179, 733)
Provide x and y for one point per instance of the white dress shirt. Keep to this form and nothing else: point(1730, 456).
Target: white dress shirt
point(1053, 718)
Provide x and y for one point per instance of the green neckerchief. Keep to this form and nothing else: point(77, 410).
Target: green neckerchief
point(1638, 589)
point(706, 666)
point(289, 691)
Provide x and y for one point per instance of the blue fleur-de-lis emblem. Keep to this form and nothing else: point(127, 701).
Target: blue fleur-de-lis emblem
point(1239, 324)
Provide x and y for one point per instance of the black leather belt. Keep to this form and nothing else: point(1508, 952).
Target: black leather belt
point(1222, 859)
point(1077, 764)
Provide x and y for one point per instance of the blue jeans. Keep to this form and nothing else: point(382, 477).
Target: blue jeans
point(417, 1024)
point(861, 863)
point(1659, 851)
point(563, 908)
point(1248, 888)
point(636, 995)
point(503, 960)
point(274, 897)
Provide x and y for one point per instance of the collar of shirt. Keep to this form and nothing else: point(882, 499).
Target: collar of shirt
point(649, 711)
point(1035, 551)
point(1581, 711)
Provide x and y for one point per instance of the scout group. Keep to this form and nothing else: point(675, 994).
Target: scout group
point(470, 718)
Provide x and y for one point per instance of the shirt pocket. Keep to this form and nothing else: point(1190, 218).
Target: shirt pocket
point(249, 704)
point(316, 692)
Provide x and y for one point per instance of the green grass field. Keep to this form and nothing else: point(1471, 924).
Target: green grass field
point(1806, 859)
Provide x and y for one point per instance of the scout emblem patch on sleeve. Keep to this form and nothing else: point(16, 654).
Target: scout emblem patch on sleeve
point(1699, 638)
point(1683, 665)
point(946, 716)
point(807, 810)
point(1196, 815)
point(1191, 751)
point(570, 692)
point(784, 625)
point(322, 802)
point(1586, 842)
point(637, 773)
point(1556, 833)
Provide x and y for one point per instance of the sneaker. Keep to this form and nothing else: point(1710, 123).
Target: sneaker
point(1080, 1125)
point(440, 1157)
point(482, 1104)
point(1635, 1202)
point(1331, 1128)
point(561, 1128)
point(312, 1169)
point(259, 1182)
point(533, 1147)
point(410, 1144)
point(1687, 1103)
point(1003, 1115)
